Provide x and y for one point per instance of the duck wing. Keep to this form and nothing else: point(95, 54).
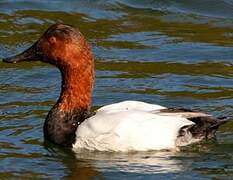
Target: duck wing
point(129, 130)
point(205, 125)
point(134, 125)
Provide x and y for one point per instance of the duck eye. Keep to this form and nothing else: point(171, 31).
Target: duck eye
point(52, 40)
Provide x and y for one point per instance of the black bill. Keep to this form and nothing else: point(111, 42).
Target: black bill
point(30, 54)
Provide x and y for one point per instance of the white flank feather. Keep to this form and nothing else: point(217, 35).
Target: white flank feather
point(129, 126)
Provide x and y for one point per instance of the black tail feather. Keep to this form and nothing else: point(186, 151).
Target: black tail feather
point(206, 127)
point(217, 124)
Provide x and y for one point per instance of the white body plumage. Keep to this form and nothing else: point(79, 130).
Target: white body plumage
point(130, 126)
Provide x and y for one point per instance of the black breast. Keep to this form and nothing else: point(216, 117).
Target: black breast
point(60, 127)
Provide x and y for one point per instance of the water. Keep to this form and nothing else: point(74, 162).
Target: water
point(174, 53)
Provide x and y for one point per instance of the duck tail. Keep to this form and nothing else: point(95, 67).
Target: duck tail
point(206, 127)
point(220, 121)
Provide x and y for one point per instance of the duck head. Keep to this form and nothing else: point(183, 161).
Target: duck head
point(66, 48)
point(59, 45)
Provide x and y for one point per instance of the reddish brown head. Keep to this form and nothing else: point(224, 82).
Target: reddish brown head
point(66, 48)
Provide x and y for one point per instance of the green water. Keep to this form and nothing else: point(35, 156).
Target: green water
point(173, 53)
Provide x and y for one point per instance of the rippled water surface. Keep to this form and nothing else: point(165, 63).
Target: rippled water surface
point(174, 53)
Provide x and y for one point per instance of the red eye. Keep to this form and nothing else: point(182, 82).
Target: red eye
point(52, 40)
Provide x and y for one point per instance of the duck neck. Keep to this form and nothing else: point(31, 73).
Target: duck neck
point(76, 89)
point(74, 102)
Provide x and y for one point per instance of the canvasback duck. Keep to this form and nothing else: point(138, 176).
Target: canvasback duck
point(123, 126)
